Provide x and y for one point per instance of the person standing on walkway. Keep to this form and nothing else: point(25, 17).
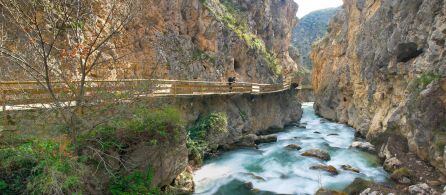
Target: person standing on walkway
point(231, 80)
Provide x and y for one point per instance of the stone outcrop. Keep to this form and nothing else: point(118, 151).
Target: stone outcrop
point(381, 69)
point(248, 115)
point(365, 146)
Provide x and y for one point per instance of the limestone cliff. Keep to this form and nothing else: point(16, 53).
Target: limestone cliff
point(382, 69)
point(212, 39)
point(310, 28)
point(194, 39)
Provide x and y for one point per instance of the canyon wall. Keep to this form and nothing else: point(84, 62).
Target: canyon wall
point(382, 69)
point(188, 40)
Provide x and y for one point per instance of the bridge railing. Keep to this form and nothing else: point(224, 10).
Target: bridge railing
point(32, 92)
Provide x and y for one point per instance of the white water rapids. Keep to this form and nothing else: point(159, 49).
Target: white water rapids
point(272, 169)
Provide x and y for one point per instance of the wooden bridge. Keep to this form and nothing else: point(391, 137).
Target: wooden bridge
point(17, 95)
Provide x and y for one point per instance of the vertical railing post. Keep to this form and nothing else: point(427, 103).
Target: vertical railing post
point(174, 88)
point(5, 113)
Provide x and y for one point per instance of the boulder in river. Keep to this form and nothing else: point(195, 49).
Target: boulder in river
point(333, 134)
point(293, 147)
point(365, 146)
point(317, 132)
point(254, 176)
point(251, 140)
point(249, 185)
point(317, 153)
point(329, 192)
point(350, 168)
point(330, 169)
point(266, 139)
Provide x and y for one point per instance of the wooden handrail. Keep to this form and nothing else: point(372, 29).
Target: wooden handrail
point(28, 92)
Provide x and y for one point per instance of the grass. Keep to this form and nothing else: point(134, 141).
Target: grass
point(229, 14)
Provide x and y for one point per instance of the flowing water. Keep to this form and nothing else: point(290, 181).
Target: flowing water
point(272, 169)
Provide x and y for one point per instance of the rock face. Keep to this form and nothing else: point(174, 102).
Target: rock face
point(381, 69)
point(247, 114)
point(365, 146)
point(200, 39)
point(310, 28)
point(421, 189)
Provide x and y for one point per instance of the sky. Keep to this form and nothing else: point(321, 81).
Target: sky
point(307, 6)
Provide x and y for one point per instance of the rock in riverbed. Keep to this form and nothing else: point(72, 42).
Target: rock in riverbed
point(350, 168)
point(330, 169)
point(329, 192)
point(317, 153)
point(293, 147)
point(365, 146)
point(266, 139)
point(251, 140)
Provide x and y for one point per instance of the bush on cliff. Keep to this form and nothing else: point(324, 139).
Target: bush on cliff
point(426, 78)
point(153, 126)
point(200, 133)
point(39, 167)
point(137, 182)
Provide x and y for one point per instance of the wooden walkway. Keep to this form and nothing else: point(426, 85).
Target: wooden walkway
point(19, 95)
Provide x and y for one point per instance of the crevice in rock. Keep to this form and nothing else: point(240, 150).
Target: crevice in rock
point(407, 51)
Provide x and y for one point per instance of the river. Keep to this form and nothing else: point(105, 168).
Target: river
point(273, 169)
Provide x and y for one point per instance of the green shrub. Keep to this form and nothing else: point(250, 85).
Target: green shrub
point(39, 167)
point(439, 140)
point(216, 122)
point(158, 125)
point(197, 143)
point(400, 173)
point(357, 186)
point(199, 55)
point(137, 182)
point(427, 78)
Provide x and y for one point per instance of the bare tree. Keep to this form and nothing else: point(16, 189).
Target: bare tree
point(60, 44)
